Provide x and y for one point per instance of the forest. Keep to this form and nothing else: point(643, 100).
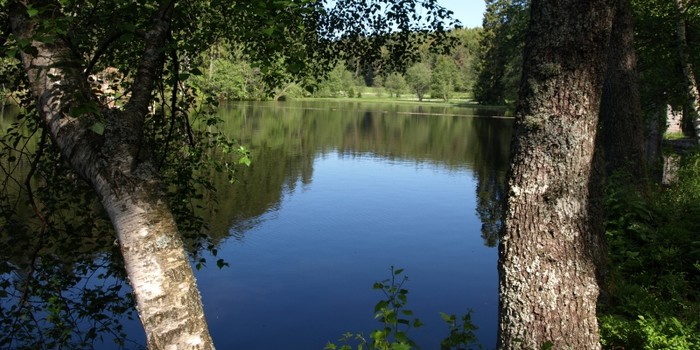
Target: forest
point(232, 75)
point(598, 241)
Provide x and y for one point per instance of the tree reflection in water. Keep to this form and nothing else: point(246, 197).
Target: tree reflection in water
point(62, 283)
point(61, 288)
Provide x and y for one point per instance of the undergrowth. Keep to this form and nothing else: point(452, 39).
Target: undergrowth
point(654, 283)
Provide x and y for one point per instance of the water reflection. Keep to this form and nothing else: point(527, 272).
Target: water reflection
point(285, 137)
point(62, 283)
point(77, 287)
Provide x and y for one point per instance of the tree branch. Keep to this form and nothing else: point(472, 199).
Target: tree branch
point(101, 50)
point(173, 102)
point(30, 174)
point(151, 60)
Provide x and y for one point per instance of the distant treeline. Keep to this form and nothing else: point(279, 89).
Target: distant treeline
point(230, 74)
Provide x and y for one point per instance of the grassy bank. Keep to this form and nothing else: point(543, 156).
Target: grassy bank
point(378, 95)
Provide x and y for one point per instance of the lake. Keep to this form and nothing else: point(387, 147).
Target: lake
point(338, 192)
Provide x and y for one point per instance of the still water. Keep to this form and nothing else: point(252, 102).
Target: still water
point(336, 194)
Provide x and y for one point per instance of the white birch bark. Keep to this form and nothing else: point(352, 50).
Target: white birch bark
point(159, 272)
point(688, 72)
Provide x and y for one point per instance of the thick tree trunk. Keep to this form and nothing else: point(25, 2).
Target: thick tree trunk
point(687, 66)
point(622, 131)
point(553, 243)
point(125, 180)
point(167, 298)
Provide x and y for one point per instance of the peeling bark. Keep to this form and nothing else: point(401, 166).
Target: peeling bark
point(552, 245)
point(123, 176)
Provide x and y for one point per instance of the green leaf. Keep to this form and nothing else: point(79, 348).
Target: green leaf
point(447, 318)
point(378, 335)
point(84, 108)
point(382, 304)
point(548, 345)
point(244, 160)
point(32, 11)
point(98, 128)
point(24, 43)
point(47, 39)
point(221, 263)
point(268, 31)
point(400, 346)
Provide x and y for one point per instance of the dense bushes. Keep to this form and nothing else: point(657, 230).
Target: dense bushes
point(654, 282)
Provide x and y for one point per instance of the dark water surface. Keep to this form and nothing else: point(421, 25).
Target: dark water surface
point(336, 194)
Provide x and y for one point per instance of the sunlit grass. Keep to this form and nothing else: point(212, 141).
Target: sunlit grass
point(674, 136)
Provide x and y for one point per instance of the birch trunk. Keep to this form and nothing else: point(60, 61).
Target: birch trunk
point(117, 166)
point(687, 66)
point(553, 244)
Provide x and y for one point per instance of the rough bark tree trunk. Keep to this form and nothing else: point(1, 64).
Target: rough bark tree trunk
point(553, 243)
point(622, 131)
point(120, 170)
point(688, 73)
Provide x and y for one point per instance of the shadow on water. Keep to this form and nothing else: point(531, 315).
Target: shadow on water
point(64, 283)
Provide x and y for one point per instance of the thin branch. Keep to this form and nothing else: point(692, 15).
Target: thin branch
point(173, 102)
point(101, 50)
point(186, 118)
point(188, 128)
point(155, 38)
point(30, 174)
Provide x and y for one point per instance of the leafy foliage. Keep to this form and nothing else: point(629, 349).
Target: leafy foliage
point(395, 84)
point(660, 76)
point(500, 55)
point(461, 334)
point(419, 78)
point(61, 280)
point(392, 312)
point(397, 320)
point(444, 78)
point(655, 263)
point(340, 82)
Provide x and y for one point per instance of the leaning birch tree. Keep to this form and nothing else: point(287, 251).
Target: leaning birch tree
point(552, 247)
point(117, 164)
point(157, 43)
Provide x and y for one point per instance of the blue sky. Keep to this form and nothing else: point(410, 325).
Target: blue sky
point(469, 12)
